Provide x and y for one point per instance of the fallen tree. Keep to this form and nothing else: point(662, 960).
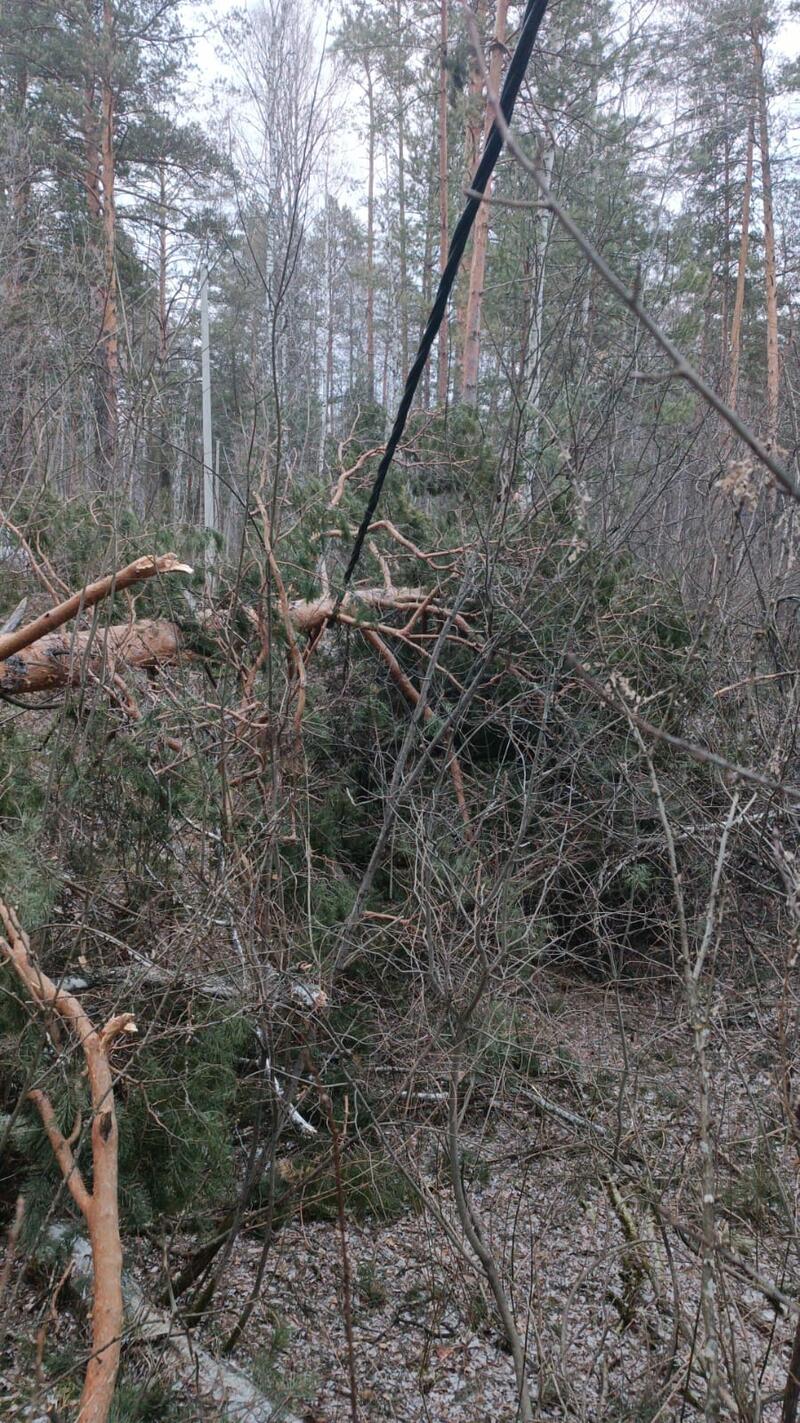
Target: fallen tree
point(39, 657)
point(213, 1382)
point(43, 661)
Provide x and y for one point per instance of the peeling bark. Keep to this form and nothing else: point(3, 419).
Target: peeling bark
point(99, 1206)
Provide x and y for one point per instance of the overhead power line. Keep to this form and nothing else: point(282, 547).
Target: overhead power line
point(534, 15)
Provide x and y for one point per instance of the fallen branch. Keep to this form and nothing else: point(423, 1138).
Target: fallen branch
point(137, 572)
point(222, 1386)
point(413, 696)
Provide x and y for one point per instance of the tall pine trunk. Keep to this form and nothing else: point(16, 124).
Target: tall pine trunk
point(472, 138)
point(109, 329)
point(472, 342)
point(773, 354)
point(14, 280)
point(741, 272)
point(164, 460)
point(401, 213)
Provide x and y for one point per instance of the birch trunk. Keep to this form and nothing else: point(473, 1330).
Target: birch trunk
point(442, 371)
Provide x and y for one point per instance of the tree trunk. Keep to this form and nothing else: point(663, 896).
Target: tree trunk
point(15, 278)
point(532, 367)
point(99, 1206)
point(427, 269)
point(741, 273)
point(370, 237)
point(773, 355)
point(442, 371)
point(472, 342)
point(472, 137)
point(108, 371)
point(164, 473)
point(401, 213)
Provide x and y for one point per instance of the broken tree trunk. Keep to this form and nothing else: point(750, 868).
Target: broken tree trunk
point(136, 572)
point(99, 1207)
point(36, 658)
point(217, 1385)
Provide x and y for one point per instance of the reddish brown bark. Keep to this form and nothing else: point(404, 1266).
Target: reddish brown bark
point(411, 695)
point(741, 274)
point(472, 336)
point(100, 1205)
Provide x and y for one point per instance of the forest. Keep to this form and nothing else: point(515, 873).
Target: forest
point(399, 764)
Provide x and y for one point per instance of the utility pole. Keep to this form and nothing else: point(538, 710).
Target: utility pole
point(209, 521)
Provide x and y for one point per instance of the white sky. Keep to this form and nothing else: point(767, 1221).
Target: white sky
point(203, 15)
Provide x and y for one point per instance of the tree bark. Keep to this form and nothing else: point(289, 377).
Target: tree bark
point(100, 1205)
point(108, 373)
point(401, 214)
point(532, 365)
point(773, 354)
point(442, 370)
point(370, 236)
point(472, 341)
point(472, 138)
point(741, 273)
point(164, 479)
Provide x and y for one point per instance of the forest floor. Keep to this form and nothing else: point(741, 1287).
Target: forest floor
point(600, 1311)
point(607, 1299)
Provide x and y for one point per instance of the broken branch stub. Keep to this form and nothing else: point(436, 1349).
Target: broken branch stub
point(100, 1206)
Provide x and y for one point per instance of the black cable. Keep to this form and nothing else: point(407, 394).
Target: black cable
point(534, 15)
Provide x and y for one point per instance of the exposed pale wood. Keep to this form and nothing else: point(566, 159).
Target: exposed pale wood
point(63, 659)
point(99, 1206)
point(135, 572)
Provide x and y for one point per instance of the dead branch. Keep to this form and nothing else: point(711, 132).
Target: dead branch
point(99, 1206)
point(137, 572)
point(413, 696)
